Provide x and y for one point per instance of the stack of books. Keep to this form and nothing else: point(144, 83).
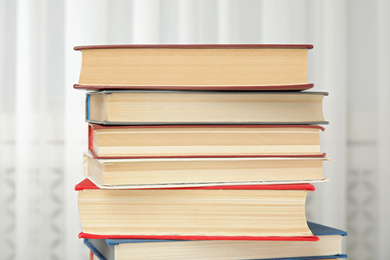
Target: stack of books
point(201, 152)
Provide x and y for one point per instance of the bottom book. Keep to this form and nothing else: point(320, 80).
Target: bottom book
point(328, 247)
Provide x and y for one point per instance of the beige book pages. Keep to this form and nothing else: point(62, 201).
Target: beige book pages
point(192, 212)
point(193, 66)
point(229, 250)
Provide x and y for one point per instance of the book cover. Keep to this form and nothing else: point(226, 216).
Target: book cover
point(86, 184)
point(296, 87)
point(195, 46)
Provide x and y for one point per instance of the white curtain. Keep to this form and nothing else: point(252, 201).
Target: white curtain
point(43, 133)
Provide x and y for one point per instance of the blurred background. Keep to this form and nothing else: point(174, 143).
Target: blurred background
point(43, 133)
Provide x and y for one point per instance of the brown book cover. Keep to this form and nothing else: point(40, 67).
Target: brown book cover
point(195, 46)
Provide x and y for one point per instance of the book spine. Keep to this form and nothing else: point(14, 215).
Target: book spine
point(90, 138)
point(87, 107)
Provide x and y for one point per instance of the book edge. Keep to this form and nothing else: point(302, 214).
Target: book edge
point(113, 123)
point(87, 184)
point(194, 185)
point(178, 237)
point(196, 46)
point(293, 87)
point(99, 126)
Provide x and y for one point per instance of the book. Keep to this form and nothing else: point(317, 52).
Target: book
point(112, 142)
point(206, 67)
point(328, 247)
point(245, 212)
point(190, 172)
point(137, 107)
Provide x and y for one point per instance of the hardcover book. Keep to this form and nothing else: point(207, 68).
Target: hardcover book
point(328, 247)
point(197, 67)
point(192, 172)
point(173, 141)
point(245, 212)
point(204, 107)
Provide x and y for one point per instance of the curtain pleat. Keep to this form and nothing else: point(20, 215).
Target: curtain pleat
point(383, 137)
point(7, 129)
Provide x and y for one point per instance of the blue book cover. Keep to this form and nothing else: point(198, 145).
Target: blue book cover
point(104, 249)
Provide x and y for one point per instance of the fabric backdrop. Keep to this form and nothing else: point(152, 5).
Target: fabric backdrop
point(43, 133)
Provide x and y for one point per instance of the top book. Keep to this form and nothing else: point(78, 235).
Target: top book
point(194, 67)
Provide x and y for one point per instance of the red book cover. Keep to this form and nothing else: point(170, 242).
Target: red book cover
point(87, 184)
point(93, 127)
